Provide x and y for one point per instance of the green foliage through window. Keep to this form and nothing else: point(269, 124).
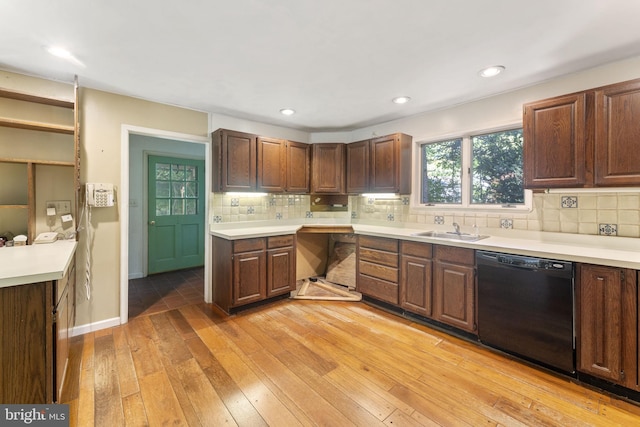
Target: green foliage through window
point(442, 172)
point(495, 171)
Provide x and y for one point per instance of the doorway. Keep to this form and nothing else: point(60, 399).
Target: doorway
point(137, 144)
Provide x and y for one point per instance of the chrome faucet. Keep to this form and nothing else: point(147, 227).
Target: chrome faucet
point(456, 226)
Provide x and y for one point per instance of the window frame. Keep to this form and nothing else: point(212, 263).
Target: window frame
point(465, 205)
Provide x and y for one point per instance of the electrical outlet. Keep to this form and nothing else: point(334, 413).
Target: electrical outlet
point(62, 206)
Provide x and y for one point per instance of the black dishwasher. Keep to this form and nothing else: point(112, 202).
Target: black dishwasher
point(525, 307)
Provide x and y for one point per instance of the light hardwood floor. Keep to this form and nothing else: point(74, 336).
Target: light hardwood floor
point(313, 363)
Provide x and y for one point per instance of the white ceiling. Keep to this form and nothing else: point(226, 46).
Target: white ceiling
point(338, 63)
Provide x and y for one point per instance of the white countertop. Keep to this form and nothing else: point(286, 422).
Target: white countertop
point(35, 263)
point(612, 251)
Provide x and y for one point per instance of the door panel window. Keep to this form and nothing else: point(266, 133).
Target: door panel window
point(176, 189)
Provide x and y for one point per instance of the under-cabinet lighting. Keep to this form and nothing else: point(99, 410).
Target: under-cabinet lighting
point(288, 111)
point(380, 195)
point(239, 193)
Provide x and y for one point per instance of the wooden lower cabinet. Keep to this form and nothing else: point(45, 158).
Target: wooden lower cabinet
point(249, 277)
point(281, 265)
point(252, 270)
point(416, 269)
point(454, 294)
point(378, 268)
point(607, 313)
point(34, 330)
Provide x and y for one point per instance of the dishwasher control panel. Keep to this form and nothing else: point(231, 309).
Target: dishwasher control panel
point(525, 261)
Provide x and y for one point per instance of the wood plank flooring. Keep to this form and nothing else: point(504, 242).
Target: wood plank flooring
point(303, 363)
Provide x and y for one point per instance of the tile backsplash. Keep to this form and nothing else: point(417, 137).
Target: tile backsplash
point(579, 213)
point(238, 208)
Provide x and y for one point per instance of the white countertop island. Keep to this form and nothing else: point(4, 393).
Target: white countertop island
point(20, 265)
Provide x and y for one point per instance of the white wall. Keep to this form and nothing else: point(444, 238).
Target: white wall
point(139, 147)
point(499, 110)
point(226, 122)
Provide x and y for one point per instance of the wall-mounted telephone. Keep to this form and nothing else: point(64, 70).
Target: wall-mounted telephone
point(100, 195)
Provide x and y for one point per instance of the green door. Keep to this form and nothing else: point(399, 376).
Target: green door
point(176, 213)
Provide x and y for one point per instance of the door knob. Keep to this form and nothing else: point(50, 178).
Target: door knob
point(152, 223)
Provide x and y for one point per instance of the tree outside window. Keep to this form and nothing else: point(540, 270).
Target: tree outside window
point(495, 170)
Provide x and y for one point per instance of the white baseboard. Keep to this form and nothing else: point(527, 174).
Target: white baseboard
point(96, 326)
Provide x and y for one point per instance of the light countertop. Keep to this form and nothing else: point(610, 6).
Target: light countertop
point(20, 265)
point(612, 251)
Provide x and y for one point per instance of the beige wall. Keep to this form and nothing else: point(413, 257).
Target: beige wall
point(102, 117)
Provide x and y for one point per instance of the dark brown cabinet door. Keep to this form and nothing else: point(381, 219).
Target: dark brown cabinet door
point(272, 164)
point(26, 354)
point(358, 167)
point(249, 277)
point(328, 169)
point(607, 314)
point(617, 134)
point(235, 162)
point(454, 296)
point(454, 301)
point(385, 165)
point(298, 167)
point(281, 271)
point(555, 144)
point(415, 284)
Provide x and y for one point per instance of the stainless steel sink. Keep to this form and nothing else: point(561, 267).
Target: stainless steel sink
point(449, 235)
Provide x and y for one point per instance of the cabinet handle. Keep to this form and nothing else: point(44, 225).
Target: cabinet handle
point(600, 278)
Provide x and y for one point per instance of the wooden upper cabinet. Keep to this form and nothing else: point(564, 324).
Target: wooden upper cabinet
point(236, 160)
point(391, 164)
point(298, 169)
point(555, 144)
point(617, 134)
point(585, 139)
point(272, 165)
point(327, 167)
point(358, 167)
point(247, 162)
point(380, 165)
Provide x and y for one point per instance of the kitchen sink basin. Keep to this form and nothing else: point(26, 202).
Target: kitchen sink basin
point(449, 235)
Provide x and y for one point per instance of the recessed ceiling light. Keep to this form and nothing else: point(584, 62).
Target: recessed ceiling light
point(59, 52)
point(287, 111)
point(401, 99)
point(64, 54)
point(492, 71)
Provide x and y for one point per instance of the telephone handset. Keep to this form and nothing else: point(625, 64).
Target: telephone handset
point(100, 195)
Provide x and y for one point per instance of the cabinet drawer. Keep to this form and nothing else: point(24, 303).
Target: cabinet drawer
point(379, 289)
point(422, 250)
point(455, 255)
point(381, 243)
point(379, 271)
point(246, 245)
point(378, 257)
point(279, 241)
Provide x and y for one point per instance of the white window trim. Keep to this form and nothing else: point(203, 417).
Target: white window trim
point(466, 206)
